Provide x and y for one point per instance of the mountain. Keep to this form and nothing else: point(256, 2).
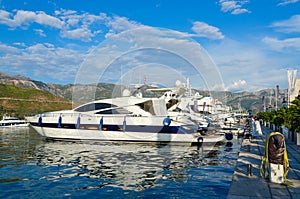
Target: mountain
point(102, 90)
point(25, 82)
point(16, 101)
point(247, 100)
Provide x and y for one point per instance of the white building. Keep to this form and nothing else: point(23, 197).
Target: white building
point(297, 91)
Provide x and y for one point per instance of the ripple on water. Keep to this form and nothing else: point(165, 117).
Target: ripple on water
point(32, 167)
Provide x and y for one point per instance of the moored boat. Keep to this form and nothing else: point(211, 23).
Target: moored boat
point(131, 118)
point(8, 121)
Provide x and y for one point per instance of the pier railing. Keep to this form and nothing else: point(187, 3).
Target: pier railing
point(290, 135)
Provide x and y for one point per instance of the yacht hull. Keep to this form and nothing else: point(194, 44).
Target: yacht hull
point(102, 135)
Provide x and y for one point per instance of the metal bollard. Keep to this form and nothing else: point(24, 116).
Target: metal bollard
point(249, 170)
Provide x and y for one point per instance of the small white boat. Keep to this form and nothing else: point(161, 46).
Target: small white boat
point(8, 121)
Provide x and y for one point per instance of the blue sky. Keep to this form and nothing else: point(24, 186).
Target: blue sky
point(251, 43)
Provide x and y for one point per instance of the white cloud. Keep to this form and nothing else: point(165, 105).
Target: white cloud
point(202, 29)
point(44, 19)
point(227, 6)
point(83, 34)
point(239, 11)
point(39, 48)
point(44, 59)
point(85, 26)
point(291, 25)
point(236, 61)
point(290, 44)
point(135, 48)
point(71, 24)
point(250, 62)
point(72, 18)
point(64, 12)
point(21, 44)
point(233, 6)
point(118, 24)
point(7, 49)
point(239, 85)
point(24, 18)
point(287, 2)
point(4, 17)
point(40, 32)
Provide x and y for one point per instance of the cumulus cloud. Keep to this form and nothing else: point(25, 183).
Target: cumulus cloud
point(122, 23)
point(239, 85)
point(83, 34)
point(44, 59)
point(286, 2)
point(290, 44)
point(20, 44)
point(202, 29)
point(4, 17)
point(85, 26)
point(233, 6)
point(40, 32)
point(74, 19)
point(117, 24)
point(291, 25)
point(149, 47)
point(7, 49)
point(250, 62)
point(239, 11)
point(71, 24)
point(23, 18)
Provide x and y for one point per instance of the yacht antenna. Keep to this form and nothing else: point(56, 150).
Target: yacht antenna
point(188, 85)
point(145, 80)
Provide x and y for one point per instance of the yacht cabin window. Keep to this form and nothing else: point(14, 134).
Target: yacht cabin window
point(147, 106)
point(115, 111)
point(94, 106)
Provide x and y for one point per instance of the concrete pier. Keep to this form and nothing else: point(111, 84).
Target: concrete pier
point(246, 184)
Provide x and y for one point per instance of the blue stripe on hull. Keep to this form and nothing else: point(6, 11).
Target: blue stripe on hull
point(129, 128)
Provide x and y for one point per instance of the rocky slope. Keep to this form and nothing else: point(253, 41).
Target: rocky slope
point(25, 82)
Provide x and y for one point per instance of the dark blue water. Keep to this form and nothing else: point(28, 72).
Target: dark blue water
point(32, 167)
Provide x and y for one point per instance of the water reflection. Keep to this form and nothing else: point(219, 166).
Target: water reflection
point(15, 146)
point(33, 165)
point(133, 166)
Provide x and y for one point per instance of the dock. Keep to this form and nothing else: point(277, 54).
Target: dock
point(247, 183)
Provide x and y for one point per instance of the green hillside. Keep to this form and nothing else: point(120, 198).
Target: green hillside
point(15, 101)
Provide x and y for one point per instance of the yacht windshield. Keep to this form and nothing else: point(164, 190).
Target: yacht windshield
point(94, 106)
point(115, 111)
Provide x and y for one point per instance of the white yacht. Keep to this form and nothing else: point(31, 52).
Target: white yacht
point(8, 121)
point(179, 102)
point(130, 118)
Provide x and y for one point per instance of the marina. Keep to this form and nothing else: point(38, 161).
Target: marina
point(153, 99)
point(132, 117)
point(140, 147)
point(116, 168)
